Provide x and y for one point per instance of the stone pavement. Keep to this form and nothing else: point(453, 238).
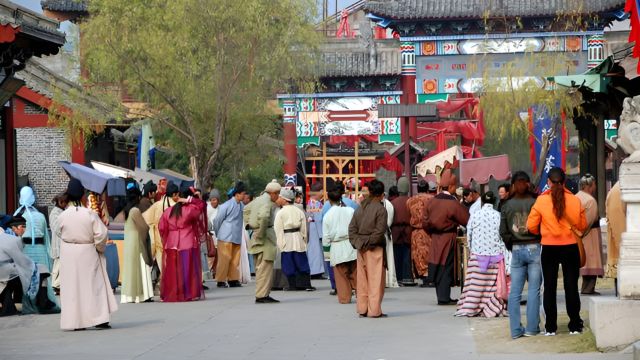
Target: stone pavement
point(228, 325)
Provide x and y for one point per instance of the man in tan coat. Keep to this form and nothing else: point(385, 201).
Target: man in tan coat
point(258, 215)
point(617, 224)
point(367, 234)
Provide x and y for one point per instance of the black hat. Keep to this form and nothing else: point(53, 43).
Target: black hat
point(149, 187)
point(172, 189)
point(520, 175)
point(240, 187)
point(75, 190)
point(17, 221)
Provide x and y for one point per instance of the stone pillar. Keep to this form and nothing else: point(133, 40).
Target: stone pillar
point(629, 263)
point(595, 50)
point(289, 117)
point(615, 321)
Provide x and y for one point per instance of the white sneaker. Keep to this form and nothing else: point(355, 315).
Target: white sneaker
point(575, 332)
point(550, 334)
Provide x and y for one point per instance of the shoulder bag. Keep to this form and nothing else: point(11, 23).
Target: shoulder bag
point(579, 235)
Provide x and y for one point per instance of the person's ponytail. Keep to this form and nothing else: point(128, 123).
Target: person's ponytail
point(557, 178)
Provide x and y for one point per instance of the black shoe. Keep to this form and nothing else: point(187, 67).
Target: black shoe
point(379, 316)
point(235, 284)
point(450, 302)
point(333, 292)
point(266, 300)
point(103, 326)
point(223, 285)
point(362, 315)
point(310, 288)
point(205, 287)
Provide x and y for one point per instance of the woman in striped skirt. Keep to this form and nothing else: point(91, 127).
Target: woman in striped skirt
point(480, 294)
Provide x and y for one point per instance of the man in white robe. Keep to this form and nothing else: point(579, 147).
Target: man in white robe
point(87, 299)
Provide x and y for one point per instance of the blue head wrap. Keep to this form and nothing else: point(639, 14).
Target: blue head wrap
point(27, 199)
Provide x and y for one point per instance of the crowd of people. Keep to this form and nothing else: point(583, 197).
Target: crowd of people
point(174, 238)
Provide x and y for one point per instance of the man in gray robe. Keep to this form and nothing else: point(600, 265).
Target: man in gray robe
point(16, 269)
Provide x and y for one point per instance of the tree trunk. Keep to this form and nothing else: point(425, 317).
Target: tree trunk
point(542, 159)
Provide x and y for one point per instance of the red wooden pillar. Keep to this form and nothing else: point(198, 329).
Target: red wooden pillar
point(10, 158)
point(290, 141)
point(77, 151)
point(408, 82)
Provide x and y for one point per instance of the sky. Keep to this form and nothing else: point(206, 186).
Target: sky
point(31, 4)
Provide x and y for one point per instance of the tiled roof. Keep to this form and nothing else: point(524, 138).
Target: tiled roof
point(65, 5)
point(350, 58)
point(34, 25)
point(438, 9)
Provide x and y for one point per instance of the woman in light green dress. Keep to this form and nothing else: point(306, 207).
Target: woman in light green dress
point(136, 268)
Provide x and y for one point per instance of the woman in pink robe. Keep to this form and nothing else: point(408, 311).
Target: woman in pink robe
point(183, 227)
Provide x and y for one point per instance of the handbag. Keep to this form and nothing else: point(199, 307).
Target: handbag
point(502, 289)
point(211, 248)
point(579, 235)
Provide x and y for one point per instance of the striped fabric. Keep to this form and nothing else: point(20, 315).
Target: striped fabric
point(478, 297)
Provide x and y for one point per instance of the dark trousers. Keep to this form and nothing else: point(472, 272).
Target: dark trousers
point(402, 260)
point(589, 284)
point(11, 295)
point(295, 265)
point(442, 276)
point(569, 257)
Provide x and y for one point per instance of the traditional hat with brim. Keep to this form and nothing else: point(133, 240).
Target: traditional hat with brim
point(287, 194)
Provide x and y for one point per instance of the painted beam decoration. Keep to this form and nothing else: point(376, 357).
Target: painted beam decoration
point(348, 116)
point(446, 66)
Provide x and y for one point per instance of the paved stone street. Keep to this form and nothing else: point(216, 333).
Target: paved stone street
point(228, 325)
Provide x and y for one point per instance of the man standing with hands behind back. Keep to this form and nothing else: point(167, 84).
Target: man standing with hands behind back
point(258, 215)
point(367, 234)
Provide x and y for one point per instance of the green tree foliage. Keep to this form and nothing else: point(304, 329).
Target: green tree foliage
point(508, 92)
point(206, 69)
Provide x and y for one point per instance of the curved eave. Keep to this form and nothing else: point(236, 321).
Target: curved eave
point(41, 34)
point(397, 12)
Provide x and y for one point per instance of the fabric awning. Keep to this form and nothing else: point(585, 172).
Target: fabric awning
point(439, 161)
point(112, 170)
point(483, 169)
point(94, 180)
point(177, 178)
point(138, 174)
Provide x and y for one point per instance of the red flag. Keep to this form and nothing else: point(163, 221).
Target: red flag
point(632, 8)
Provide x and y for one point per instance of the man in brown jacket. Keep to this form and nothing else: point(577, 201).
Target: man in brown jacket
point(442, 217)
point(367, 234)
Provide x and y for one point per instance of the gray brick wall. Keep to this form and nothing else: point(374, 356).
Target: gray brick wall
point(38, 152)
